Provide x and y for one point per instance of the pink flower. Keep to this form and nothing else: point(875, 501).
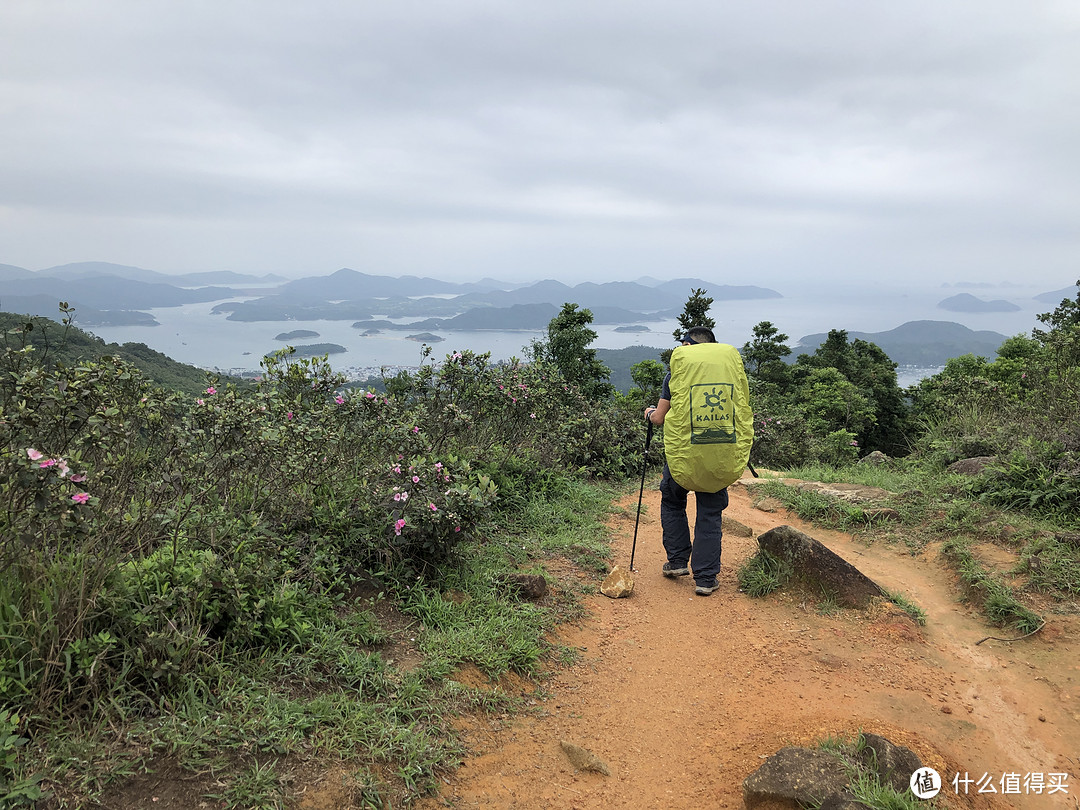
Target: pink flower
point(78, 479)
point(415, 429)
point(211, 390)
point(200, 402)
point(340, 400)
point(33, 454)
point(289, 415)
point(49, 462)
point(369, 395)
point(438, 465)
point(397, 468)
point(81, 497)
point(416, 479)
point(399, 524)
point(433, 507)
point(532, 415)
point(457, 528)
point(397, 496)
point(404, 496)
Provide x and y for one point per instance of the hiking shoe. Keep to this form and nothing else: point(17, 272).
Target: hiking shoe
point(705, 590)
point(673, 570)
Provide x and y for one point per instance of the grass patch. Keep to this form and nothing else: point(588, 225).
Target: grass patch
point(762, 574)
point(917, 614)
point(866, 784)
point(995, 597)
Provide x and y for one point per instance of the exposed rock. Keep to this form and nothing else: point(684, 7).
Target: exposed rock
point(794, 777)
point(526, 586)
point(801, 777)
point(583, 759)
point(971, 466)
point(1071, 539)
point(617, 584)
point(733, 527)
point(814, 562)
point(876, 459)
point(852, 493)
point(894, 764)
point(768, 505)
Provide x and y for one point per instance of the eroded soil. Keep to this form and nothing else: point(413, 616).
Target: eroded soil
point(684, 696)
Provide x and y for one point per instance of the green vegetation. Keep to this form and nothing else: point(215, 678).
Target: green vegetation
point(229, 579)
point(566, 347)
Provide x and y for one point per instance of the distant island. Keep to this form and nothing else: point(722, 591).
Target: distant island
point(425, 337)
point(966, 302)
point(631, 329)
point(319, 349)
point(922, 343)
point(297, 333)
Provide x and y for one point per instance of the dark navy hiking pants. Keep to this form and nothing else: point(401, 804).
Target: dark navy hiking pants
point(703, 555)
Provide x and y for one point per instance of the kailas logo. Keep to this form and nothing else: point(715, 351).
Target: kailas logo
point(712, 418)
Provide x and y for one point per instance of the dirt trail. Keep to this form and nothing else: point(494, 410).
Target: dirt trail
point(684, 696)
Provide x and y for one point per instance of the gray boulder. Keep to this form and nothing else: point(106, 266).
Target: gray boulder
point(795, 777)
point(875, 459)
point(971, 466)
point(815, 563)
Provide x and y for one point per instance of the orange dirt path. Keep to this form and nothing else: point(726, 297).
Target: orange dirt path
point(684, 696)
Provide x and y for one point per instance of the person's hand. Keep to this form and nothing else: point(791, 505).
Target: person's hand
point(649, 413)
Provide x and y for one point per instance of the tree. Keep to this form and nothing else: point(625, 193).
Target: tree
point(1066, 315)
point(764, 356)
point(831, 402)
point(695, 313)
point(648, 376)
point(567, 348)
point(870, 370)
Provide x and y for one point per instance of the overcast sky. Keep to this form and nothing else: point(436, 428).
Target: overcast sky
point(761, 142)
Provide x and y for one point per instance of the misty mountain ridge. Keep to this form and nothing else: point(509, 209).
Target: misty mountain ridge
point(966, 302)
point(918, 343)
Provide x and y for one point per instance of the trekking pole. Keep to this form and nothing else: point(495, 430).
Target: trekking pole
point(644, 465)
point(750, 466)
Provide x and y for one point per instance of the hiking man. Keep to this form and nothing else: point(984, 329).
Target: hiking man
point(705, 402)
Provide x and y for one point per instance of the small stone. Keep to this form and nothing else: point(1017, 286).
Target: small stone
point(946, 709)
point(618, 584)
point(733, 527)
point(583, 759)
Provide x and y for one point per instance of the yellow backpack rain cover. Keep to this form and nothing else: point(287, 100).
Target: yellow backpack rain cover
point(709, 430)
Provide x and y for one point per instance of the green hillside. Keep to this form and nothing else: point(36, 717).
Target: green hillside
point(68, 345)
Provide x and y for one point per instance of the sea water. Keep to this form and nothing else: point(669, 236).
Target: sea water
point(192, 334)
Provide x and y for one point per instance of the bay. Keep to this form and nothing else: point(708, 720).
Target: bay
point(192, 334)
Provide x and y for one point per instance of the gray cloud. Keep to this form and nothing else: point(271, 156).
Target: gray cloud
point(586, 139)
